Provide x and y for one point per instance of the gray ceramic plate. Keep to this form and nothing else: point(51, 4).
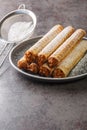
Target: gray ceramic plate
point(80, 71)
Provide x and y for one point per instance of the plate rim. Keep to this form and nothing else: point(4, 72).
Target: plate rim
point(41, 78)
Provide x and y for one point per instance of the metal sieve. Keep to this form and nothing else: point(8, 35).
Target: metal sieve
point(21, 15)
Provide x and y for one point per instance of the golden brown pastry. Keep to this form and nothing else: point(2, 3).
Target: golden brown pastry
point(33, 67)
point(32, 52)
point(66, 47)
point(22, 63)
point(54, 44)
point(64, 68)
point(45, 70)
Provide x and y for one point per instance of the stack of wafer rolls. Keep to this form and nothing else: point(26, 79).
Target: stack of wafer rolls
point(54, 44)
point(31, 53)
point(66, 48)
point(64, 68)
point(55, 56)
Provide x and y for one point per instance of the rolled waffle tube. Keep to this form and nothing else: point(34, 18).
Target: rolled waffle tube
point(22, 63)
point(66, 47)
point(33, 67)
point(64, 68)
point(45, 70)
point(32, 52)
point(54, 44)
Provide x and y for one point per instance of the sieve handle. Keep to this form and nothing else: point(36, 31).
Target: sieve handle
point(5, 48)
point(22, 6)
point(3, 45)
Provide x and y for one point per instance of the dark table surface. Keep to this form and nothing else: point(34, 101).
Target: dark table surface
point(29, 105)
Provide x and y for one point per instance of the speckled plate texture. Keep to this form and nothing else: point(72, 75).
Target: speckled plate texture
point(79, 71)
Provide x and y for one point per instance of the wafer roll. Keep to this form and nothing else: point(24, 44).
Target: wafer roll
point(54, 44)
point(32, 52)
point(66, 47)
point(33, 67)
point(64, 68)
point(45, 70)
point(22, 63)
